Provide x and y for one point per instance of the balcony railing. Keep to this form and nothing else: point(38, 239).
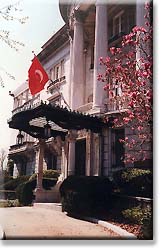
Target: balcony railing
point(116, 104)
point(116, 38)
point(56, 82)
point(30, 103)
point(20, 148)
point(86, 107)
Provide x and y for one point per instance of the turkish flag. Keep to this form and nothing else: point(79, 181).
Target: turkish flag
point(37, 77)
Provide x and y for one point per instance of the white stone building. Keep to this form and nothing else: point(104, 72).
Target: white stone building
point(71, 58)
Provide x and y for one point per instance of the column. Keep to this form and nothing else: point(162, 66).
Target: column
point(140, 12)
point(89, 155)
point(105, 151)
point(71, 152)
point(77, 91)
point(39, 188)
point(140, 20)
point(107, 157)
point(96, 151)
point(101, 49)
point(70, 76)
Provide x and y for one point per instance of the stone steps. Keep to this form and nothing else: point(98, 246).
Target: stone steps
point(54, 206)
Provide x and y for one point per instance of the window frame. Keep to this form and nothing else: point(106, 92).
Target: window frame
point(119, 17)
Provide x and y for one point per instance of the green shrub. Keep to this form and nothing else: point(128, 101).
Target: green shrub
point(134, 214)
point(53, 174)
point(134, 181)
point(85, 193)
point(4, 179)
point(9, 203)
point(142, 216)
point(24, 191)
point(13, 183)
point(7, 194)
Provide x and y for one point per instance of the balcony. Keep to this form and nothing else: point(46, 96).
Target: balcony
point(30, 103)
point(56, 83)
point(116, 105)
point(15, 149)
point(86, 107)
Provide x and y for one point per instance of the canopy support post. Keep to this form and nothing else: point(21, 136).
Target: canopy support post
point(39, 197)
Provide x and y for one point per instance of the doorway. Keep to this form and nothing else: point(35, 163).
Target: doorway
point(80, 157)
point(119, 147)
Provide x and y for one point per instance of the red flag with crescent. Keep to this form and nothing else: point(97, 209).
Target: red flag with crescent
point(37, 76)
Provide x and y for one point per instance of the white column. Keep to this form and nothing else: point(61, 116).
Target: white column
point(140, 12)
point(71, 152)
point(101, 50)
point(39, 188)
point(89, 141)
point(71, 158)
point(107, 151)
point(77, 91)
point(140, 20)
point(70, 76)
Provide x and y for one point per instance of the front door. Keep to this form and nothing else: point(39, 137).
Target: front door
point(80, 157)
point(119, 148)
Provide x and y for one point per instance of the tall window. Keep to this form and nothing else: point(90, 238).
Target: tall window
point(118, 23)
point(122, 21)
point(92, 58)
point(57, 71)
point(62, 68)
point(118, 148)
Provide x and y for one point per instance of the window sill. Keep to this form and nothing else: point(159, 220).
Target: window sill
point(116, 38)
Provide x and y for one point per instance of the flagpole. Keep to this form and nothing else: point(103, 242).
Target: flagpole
point(60, 94)
point(33, 53)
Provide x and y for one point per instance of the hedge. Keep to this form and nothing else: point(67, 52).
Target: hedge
point(7, 195)
point(142, 216)
point(85, 194)
point(24, 191)
point(134, 182)
point(53, 174)
point(13, 183)
point(4, 179)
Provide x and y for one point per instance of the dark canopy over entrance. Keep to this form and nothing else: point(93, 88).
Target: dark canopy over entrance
point(33, 119)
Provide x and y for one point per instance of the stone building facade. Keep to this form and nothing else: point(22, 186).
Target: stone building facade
point(71, 58)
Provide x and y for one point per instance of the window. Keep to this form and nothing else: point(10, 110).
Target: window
point(115, 95)
point(115, 87)
point(52, 162)
point(51, 74)
point(121, 22)
point(118, 23)
point(57, 71)
point(62, 68)
point(92, 58)
point(18, 101)
point(118, 147)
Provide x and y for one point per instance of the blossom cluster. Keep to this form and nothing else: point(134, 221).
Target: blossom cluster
point(129, 68)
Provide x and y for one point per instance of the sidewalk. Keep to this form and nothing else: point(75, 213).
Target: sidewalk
point(41, 223)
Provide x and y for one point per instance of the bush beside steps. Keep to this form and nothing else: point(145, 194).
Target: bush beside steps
point(85, 194)
point(24, 191)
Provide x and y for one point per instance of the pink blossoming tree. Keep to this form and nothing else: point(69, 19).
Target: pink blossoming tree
point(129, 69)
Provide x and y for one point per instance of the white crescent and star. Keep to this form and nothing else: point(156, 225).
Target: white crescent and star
point(39, 73)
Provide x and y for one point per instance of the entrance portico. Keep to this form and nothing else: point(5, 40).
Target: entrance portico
point(65, 125)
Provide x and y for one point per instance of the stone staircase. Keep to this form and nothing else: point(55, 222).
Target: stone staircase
point(54, 206)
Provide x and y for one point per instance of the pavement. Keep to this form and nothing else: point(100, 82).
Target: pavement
point(42, 223)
